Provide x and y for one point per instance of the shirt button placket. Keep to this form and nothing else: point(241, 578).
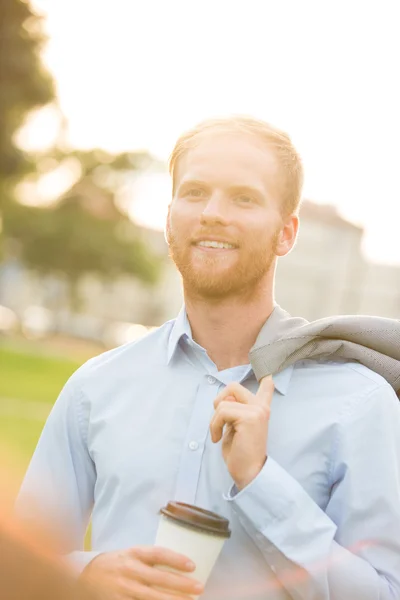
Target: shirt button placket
point(192, 454)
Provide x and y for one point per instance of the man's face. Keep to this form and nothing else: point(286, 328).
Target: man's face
point(224, 220)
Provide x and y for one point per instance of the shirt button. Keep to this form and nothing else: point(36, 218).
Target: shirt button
point(193, 445)
point(211, 380)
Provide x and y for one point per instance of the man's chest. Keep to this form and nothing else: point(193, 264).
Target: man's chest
point(153, 440)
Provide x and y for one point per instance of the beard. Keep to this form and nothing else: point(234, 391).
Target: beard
point(218, 277)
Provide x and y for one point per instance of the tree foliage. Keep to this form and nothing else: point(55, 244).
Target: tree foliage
point(24, 83)
point(84, 231)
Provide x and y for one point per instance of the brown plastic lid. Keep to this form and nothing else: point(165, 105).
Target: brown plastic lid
point(198, 518)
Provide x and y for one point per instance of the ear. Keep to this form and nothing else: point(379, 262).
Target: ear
point(287, 235)
point(167, 225)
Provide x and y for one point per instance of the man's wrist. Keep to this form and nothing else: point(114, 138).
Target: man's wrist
point(241, 484)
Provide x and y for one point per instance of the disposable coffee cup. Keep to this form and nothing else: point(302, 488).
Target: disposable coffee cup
point(194, 532)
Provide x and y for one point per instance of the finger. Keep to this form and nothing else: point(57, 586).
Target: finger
point(237, 391)
point(229, 413)
point(157, 577)
point(139, 591)
point(265, 391)
point(156, 555)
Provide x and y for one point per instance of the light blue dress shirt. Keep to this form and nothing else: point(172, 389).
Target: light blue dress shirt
point(130, 431)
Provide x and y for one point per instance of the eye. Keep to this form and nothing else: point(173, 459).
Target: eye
point(243, 199)
point(195, 193)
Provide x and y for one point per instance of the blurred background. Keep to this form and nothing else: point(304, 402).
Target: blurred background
point(93, 94)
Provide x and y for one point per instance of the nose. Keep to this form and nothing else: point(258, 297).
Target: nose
point(215, 210)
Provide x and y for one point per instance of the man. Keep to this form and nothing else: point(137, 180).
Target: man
point(306, 467)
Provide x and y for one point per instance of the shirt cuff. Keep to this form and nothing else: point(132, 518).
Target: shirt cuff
point(272, 497)
point(79, 560)
point(234, 491)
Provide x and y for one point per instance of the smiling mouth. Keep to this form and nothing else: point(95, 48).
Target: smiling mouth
point(212, 245)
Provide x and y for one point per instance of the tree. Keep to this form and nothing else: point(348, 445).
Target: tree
point(84, 231)
point(24, 85)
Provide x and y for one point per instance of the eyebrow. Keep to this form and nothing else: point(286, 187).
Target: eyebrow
point(193, 182)
point(233, 188)
point(246, 188)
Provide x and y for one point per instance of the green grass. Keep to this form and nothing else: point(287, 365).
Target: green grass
point(32, 377)
point(30, 382)
point(20, 435)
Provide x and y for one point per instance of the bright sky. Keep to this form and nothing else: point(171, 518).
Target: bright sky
point(135, 73)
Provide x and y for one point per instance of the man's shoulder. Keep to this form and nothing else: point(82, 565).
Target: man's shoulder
point(347, 376)
point(340, 389)
point(147, 351)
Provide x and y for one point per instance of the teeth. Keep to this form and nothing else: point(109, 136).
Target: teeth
point(207, 244)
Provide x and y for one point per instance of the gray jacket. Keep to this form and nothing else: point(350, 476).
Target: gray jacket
point(371, 341)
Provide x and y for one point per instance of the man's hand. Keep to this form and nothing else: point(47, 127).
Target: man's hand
point(133, 575)
point(245, 417)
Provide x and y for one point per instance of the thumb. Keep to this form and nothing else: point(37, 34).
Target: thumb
point(265, 391)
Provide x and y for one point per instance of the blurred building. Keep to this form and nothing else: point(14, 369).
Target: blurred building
point(380, 291)
point(325, 274)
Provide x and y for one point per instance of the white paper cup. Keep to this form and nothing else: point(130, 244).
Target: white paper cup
point(194, 532)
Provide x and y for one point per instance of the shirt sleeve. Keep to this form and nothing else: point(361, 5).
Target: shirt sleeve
point(351, 550)
point(58, 489)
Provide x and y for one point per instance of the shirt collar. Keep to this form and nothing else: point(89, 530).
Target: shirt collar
point(181, 329)
point(282, 380)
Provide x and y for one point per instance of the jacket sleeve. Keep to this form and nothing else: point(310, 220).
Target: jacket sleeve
point(58, 489)
point(350, 551)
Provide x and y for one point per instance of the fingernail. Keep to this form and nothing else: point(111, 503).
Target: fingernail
point(198, 587)
point(190, 565)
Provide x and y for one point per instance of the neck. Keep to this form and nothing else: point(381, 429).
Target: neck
point(228, 328)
